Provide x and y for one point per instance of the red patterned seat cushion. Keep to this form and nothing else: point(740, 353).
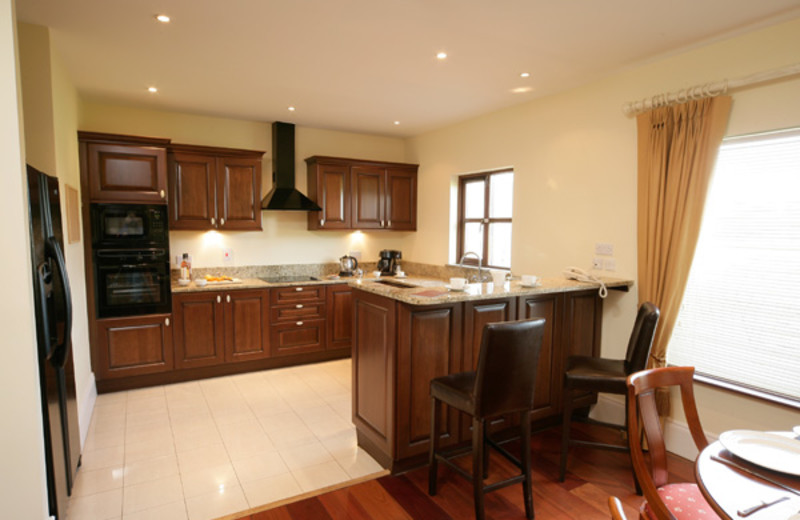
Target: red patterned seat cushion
point(685, 501)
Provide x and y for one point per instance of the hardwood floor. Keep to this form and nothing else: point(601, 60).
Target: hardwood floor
point(592, 476)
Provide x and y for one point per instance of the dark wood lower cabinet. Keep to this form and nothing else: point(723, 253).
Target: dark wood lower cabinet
point(134, 346)
point(339, 301)
point(398, 348)
point(246, 325)
point(199, 329)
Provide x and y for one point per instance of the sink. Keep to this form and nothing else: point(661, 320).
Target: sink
point(395, 283)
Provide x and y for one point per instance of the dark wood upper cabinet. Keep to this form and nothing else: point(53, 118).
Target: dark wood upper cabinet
point(124, 168)
point(214, 188)
point(359, 194)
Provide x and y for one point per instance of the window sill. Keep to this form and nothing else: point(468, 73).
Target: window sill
point(747, 391)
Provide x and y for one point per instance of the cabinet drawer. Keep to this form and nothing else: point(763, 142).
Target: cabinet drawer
point(302, 310)
point(298, 293)
point(295, 337)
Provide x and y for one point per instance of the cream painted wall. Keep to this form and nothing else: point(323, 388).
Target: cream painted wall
point(50, 107)
point(574, 157)
point(284, 239)
point(23, 490)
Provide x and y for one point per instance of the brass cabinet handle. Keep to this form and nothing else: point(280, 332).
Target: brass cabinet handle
point(222, 222)
point(228, 298)
point(299, 323)
point(219, 300)
point(298, 289)
point(213, 221)
point(162, 193)
point(298, 306)
point(322, 222)
point(166, 322)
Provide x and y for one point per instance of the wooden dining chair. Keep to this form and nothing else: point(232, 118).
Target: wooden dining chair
point(663, 500)
point(615, 506)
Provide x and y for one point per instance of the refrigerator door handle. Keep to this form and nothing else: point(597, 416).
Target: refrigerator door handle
point(61, 351)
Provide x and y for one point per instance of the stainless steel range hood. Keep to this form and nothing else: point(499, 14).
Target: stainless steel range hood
point(283, 195)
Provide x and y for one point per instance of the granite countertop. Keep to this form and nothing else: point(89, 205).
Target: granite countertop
point(252, 283)
point(426, 291)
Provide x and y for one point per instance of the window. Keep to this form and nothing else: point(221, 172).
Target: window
point(739, 321)
point(484, 217)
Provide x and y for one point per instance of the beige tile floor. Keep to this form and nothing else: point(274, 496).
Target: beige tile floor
point(204, 449)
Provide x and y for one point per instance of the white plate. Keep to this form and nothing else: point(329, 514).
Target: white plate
point(770, 450)
point(537, 284)
point(451, 288)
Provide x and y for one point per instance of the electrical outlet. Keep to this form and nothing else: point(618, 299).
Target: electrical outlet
point(604, 248)
point(227, 255)
point(611, 264)
point(597, 263)
point(356, 255)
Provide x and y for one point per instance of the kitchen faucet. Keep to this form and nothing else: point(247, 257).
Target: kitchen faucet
point(475, 278)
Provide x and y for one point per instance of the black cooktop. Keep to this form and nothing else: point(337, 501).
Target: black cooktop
point(289, 279)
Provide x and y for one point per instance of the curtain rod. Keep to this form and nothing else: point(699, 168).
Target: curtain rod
point(711, 89)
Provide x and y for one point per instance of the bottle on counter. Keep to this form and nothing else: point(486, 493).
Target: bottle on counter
point(186, 267)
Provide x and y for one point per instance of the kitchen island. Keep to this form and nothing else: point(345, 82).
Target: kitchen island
point(407, 332)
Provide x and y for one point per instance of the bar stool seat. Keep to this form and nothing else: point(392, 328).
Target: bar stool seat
point(503, 383)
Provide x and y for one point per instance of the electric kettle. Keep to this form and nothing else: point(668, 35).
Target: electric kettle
point(347, 264)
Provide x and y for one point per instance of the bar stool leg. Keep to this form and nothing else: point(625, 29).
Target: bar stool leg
point(477, 465)
point(525, 445)
point(433, 465)
point(485, 451)
point(565, 426)
point(630, 456)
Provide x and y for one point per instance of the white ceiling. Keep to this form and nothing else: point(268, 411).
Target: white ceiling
point(360, 65)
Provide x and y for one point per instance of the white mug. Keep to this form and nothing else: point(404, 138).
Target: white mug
point(499, 277)
point(376, 274)
point(529, 279)
point(458, 283)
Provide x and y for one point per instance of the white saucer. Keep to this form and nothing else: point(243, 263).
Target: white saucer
point(451, 288)
point(537, 284)
point(398, 276)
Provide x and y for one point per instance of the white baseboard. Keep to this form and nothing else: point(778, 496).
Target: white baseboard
point(86, 407)
point(611, 408)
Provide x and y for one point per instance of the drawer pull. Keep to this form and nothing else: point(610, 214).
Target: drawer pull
point(219, 300)
point(228, 298)
point(298, 289)
point(298, 306)
point(299, 323)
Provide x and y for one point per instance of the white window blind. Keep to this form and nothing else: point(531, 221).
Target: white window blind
point(740, 316)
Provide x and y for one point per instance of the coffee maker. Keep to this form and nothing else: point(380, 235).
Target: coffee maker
point(388, 262)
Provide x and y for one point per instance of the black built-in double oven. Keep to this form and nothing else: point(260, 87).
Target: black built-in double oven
point(130, 244)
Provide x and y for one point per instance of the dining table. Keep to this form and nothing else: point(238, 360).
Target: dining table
point(737, 488)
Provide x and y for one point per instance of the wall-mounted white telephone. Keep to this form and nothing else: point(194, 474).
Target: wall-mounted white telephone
point(576, 273)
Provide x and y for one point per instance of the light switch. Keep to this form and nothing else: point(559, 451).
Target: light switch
point(604, 248)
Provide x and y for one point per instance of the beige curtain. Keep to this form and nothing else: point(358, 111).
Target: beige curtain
point(677, 147)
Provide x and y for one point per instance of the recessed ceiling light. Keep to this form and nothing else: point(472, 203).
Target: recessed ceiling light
point(292, 109)
point(521, 90)
point(441, 55)
point(152, 89)
point(397, 122)
point(525, 75)
point(163, 18)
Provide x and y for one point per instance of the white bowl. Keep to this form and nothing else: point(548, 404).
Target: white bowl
point(201, 282)
point(181, 281)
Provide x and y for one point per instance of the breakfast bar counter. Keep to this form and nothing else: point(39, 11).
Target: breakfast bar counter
point(405, 336)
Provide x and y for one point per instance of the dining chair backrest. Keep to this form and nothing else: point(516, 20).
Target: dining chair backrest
point(643, 415)
point(615, 506)
point(641, 340)
point(507, 365)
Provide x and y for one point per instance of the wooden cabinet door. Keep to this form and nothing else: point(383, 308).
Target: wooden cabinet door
point(374, 373)
point(199, 329)
point(124, 173)
point(368, 197)
point(340, 317)
point(246, 325)
point(401, 199)
point(476, 315)
point(329, 186)
point(239, 193)
point(549, 378)
point(134, 346)
point(193, 191)
point(581, 326)
point(428, 346)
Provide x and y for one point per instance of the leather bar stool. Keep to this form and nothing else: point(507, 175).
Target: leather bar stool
point(591, 374)
point(503, 383)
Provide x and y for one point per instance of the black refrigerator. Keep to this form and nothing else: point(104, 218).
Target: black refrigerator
point(53, 306)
